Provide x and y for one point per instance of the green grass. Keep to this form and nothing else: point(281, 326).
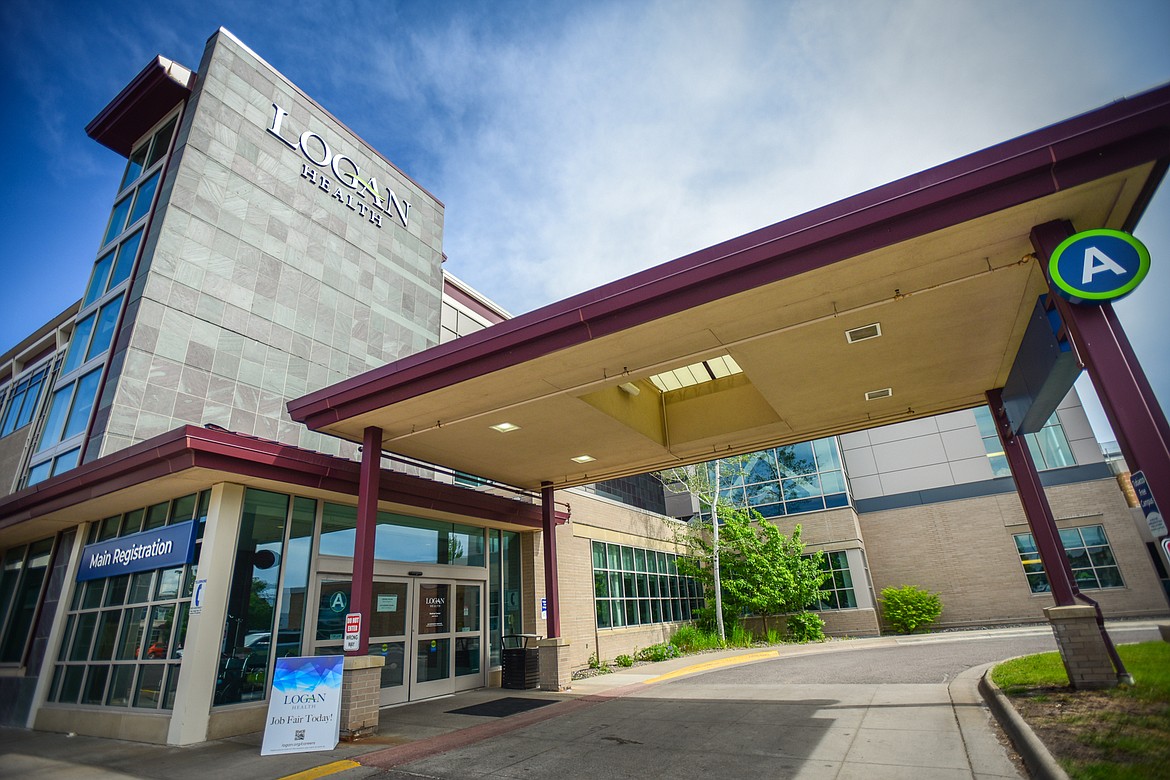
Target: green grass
point(1127, 728)
point(1032, 671)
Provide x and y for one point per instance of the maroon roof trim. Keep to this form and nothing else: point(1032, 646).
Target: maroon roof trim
point(192, 447)
point(1117, 137)
point(139, 107)
point(455, 292)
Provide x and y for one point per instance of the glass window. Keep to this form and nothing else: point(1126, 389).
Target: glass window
point(143, 198)
point(1089, 556)
point(58, 412)
point(161, 142)
point(126, 253)
point(838, 588)
point(118, 219)
point(20, 590)
point(404, 538)
point(104, 332)
point(97, 282)
point(82, 404)
point(244, 668)
point(803, 477)
point(625, 596)
point(1048, 446)
point(124, 635)
point(134, 165)
point(23, 400)
point(78, 344)
point(66, 461)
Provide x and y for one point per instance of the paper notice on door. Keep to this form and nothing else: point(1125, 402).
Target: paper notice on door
point(387, 602)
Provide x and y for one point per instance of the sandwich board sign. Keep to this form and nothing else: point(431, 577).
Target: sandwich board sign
point(304, 709)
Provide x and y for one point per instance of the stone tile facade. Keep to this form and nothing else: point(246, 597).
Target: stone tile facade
point(262, 278)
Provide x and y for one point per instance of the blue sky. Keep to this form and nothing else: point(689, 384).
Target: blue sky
point(574, 143)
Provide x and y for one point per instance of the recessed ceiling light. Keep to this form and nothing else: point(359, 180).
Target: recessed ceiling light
point(583, 458)
point(873, 395)
point(505, 427)
point(863, 333)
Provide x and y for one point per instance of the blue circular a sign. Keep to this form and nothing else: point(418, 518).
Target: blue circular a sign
point(1098, 266)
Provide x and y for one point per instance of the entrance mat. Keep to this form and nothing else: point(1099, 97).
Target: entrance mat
point(502, 708)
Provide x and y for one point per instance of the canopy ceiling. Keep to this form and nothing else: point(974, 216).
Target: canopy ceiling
point(940, 260)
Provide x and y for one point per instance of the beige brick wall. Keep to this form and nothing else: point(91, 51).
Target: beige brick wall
point(965, 551)
point(592, 518)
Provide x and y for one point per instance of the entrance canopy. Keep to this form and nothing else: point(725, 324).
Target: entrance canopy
point(905, 301)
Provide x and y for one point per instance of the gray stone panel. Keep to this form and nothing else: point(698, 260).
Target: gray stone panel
point(258, 285)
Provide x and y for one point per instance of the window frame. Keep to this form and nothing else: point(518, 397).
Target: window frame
point(1037, 577)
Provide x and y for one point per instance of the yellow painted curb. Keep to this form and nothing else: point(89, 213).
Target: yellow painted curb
point(322, 771)
point(717, 663)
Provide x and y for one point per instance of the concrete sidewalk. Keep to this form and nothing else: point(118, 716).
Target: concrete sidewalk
point(630, 722)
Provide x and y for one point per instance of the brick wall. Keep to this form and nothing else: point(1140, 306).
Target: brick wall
point(965, 551)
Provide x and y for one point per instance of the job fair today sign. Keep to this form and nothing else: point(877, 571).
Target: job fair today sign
point(304, 709)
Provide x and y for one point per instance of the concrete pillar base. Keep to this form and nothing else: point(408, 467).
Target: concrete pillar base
point(555, 672)
point(1086, 659)
point(1164, 630)
point(361, 685)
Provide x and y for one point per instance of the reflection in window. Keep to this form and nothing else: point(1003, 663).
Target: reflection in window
point(21, 582)
point(804, 477)
point(634, 586)
point(1089, 556)
point(243, 673)
point(23, 400)
point(123, 638)
point(1049, 446)
point(838, 588)
point(403, 538)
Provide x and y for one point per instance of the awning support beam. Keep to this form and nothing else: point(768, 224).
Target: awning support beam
point(1036, 507)
point(362, 586)
point(549, 537)
point(1126, 395)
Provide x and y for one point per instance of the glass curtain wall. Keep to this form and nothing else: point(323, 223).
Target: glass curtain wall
point(75, 389)
point(123, 640)
point(266, 602)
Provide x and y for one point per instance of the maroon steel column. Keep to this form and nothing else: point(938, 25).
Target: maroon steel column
point(367, 521)
point(1036, 508)
point(548, 527)
point(1125, 393)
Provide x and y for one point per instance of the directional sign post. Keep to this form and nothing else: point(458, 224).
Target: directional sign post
point(1149, 506)
point(1098, 266)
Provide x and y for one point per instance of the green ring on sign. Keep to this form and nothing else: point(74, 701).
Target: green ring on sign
point(1077, 293)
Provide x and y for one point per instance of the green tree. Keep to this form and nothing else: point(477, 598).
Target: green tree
point(764, 571)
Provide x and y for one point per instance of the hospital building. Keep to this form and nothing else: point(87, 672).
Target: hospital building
point(180, 495)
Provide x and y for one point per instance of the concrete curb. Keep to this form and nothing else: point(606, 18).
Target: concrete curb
point(1035, 753)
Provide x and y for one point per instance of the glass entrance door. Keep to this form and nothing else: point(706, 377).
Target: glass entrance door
point(389, 624)
point(430, 632)
point(449, 646)
point(469, 644)
point(433, 675)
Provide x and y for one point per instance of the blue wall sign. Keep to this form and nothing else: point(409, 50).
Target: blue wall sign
point(1098, 266)
point(162, 548)
point(1149, 506)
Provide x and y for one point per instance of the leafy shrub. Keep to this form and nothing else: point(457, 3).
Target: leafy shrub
point(658, 652)
point(806, 627)
point(624, 660)
point(594, 662)
point(908, 609)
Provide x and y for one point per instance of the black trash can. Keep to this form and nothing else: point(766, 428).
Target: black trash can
point(521, 662)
